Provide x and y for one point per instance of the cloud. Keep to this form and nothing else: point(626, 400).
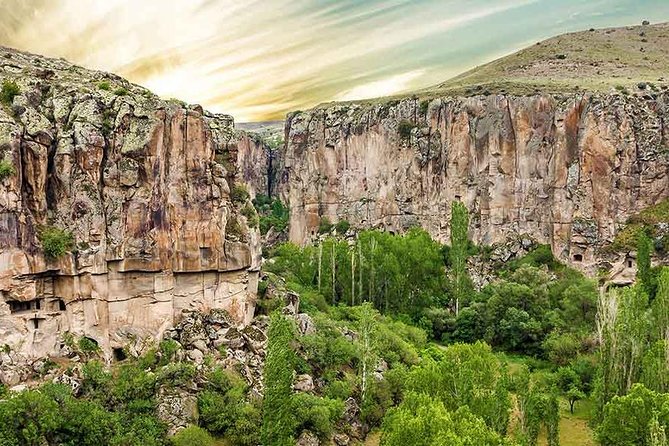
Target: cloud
point(258, 59)
point(384, 87)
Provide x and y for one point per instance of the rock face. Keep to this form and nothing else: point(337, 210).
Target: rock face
point(566, 170)
point(258, 163)
point(135, 181)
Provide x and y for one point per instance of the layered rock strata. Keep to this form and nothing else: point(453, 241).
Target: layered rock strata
point(134, 181)
point(565, 170)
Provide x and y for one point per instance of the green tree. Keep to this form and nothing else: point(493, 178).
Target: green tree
point(459, 253)
point(466, 375)
point(424, 421)
point(278, 422)
point(644, 273)
point(633, 419)
point(192, 436)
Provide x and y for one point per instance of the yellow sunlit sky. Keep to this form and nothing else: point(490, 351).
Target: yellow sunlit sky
point(258, 59)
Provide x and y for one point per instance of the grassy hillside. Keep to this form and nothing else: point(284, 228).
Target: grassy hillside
point(591, 60)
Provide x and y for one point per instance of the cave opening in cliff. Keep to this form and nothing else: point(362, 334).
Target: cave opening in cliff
point(119, 354)
point(18, 306)
point(578, 257)
point(36, 323)
point(61, 305)
point(630, 263)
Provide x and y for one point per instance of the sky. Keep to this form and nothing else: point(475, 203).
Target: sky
point(259, 59)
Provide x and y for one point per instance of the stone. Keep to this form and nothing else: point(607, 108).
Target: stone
point(196, 356)
point(341, 439)
point(177, 408)
point(305, 324)
point(304, 383)
point(307, 438)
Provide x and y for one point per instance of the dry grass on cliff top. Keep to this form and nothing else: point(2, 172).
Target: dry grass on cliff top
point(594, 60)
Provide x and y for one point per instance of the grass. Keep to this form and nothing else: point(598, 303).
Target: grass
point(626, 239)
point(8, 92)
point(574, 429)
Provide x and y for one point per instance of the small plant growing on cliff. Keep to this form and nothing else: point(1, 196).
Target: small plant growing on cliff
point(325, 225)
point(121, 91)
point(342, 226)
point(251, 216)
point(239, 193)
point(104, 85)
point(88, 345)
point(9, 91)
point(55, 241)
point(234, 228)
point(6, 169)
point(404, 129)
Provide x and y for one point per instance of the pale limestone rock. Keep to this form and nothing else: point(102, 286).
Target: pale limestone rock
point(135, 180)
point(567, 170)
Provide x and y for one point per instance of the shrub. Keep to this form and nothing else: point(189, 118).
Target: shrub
point(55, 241)
point(6, 169)
point(316, 414)
point(404, 129)
point(192, 436)
point(239, 193)
point(342, 226)
point(177, 374)
point(168, 349)
point(251, 216)
point(88, 345)
point(104, 85)
point(273, 213)
point(324, 226)
point(234, 228)
point(8, 92)
point(121, 91)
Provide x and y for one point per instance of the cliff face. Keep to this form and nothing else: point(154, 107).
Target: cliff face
point(567, 170)
point(135, 181)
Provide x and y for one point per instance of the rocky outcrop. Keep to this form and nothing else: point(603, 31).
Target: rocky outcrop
point(567, 170)
point(258, 163)
point(133, 180)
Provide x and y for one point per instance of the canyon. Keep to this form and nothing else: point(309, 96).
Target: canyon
point(151, 198)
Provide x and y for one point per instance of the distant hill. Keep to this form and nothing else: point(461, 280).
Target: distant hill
point(592, 60)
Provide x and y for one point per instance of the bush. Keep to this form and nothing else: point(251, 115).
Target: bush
point(239, 193)
point(234, 228)
point(177, 374)
point(404, 129)
point(316, 414)
point(104, 85)
point(88, 345)
point(122, 91)
point(251, 215)
point(55, 241)
point(6, 169)
point(8, 92)
point(192, 436)
point(325, 226)
point(342, 226)
point(273, 213)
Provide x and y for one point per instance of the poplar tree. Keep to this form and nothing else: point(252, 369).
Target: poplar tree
point(458, 252)
point(277, 422)
point(644, 274)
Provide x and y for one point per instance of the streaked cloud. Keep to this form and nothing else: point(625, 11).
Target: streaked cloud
point(258, 59)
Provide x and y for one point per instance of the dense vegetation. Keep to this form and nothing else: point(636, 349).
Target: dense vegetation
point(402, 343)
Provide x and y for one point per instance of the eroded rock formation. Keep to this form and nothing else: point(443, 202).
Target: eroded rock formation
point(135, 181)
point(566, 170)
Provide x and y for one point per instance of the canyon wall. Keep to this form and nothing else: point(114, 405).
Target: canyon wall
point(135, 182)
point(566, 170)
